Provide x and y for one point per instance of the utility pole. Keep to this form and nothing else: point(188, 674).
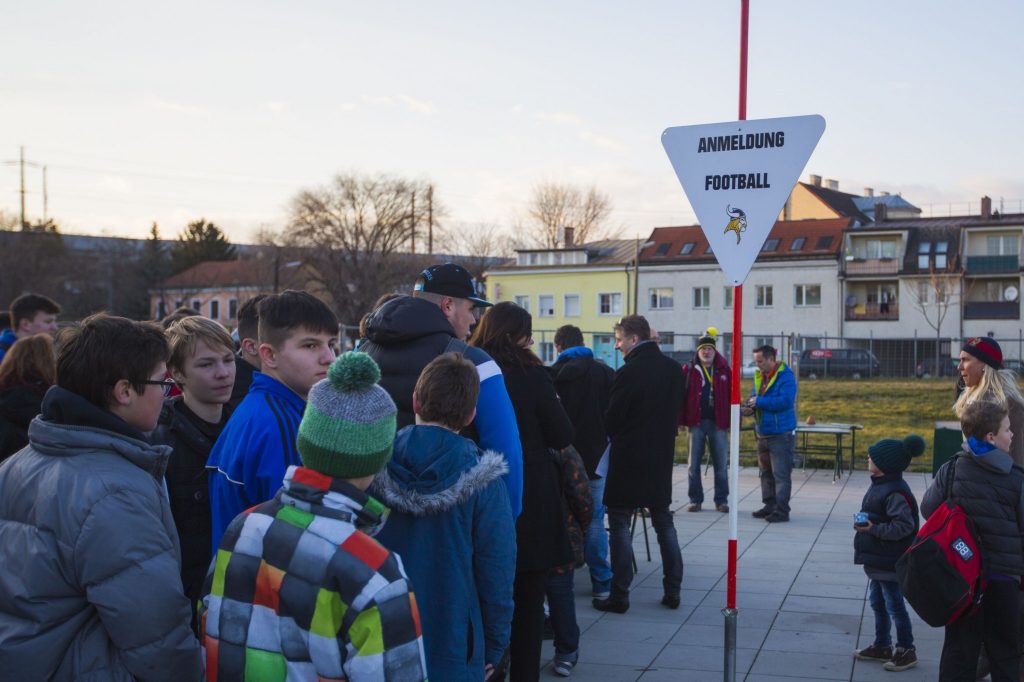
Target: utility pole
point(412, 228)
point(430, 219)
point(46, 200)
point(21, 164)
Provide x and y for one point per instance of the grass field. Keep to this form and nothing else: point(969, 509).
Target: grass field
point(886, 408)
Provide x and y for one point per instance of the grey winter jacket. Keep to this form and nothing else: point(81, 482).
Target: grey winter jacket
point(89, 588)
point(990, 489)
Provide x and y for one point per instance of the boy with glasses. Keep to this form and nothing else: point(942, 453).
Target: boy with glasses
point(90, 586)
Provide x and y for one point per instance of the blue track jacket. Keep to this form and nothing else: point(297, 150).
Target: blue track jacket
point(775, 410)
point(249, 459)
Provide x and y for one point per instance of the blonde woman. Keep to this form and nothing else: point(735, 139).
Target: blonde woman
point(981, 366)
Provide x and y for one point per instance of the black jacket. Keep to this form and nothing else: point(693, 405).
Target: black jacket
point(990, 489)
point(584, 385)
point(188, 487)
point(892, 509)
point(542, 539)
point(642, 420)
point(18, 406)
point(243, 377)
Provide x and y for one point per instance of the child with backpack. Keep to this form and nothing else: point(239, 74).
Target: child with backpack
point(990, 489)
point(885, 527)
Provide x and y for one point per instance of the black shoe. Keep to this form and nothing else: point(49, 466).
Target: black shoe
point(777, 517)
point(670, 601)
point(762, 512)
point(612, 605)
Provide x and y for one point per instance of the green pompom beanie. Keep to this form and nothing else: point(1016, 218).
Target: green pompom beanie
point(892, 456)
point(348, 428)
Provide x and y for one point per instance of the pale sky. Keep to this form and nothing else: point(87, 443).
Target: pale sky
point(226, 110)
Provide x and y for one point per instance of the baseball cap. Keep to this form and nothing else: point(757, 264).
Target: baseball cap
point(449, 279)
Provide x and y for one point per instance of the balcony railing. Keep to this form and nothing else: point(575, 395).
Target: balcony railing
point(992, 310)
point(984, 265)
point(873, 266)
point(872, 311)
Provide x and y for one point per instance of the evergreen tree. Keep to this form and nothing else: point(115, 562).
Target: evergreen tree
point(200, 242)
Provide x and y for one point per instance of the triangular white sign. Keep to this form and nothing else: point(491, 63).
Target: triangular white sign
point(737, 176)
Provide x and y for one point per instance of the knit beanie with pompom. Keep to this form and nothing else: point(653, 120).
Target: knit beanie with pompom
point(891, 455)
point(348, 428)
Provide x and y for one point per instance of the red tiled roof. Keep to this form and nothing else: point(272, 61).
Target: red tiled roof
point(785, 231)
point(221, 274)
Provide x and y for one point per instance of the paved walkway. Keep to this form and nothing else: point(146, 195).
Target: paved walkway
point(802, 602)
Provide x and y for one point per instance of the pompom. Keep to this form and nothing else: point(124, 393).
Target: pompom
point(914, 445)
point(353, 372)
point(712, 332)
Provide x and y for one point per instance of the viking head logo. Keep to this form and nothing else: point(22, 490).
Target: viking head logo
point(737, 221)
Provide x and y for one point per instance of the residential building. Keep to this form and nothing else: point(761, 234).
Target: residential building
point(588, 285)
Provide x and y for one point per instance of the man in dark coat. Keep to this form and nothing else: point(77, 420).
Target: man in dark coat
point(583, 385)
point(247, 359)
point(641, 422)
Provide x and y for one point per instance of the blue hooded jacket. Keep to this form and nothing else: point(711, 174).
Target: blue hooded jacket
point(452, 525)
point(775, 411)
point(7, 339)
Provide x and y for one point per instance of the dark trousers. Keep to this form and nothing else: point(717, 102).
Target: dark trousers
point(996, 626)
point(562, 607)
point(775, 460)
point(527, 626)
point(887, 603)
point(621, 545)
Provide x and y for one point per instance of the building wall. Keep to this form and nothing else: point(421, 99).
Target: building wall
point(783, 316)
point(586, 283)
point(204, 298)
point(803, 205)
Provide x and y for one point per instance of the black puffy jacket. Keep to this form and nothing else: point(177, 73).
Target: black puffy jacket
point(583, 385)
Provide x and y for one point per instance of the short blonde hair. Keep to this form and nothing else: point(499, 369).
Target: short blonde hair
point(184, 334)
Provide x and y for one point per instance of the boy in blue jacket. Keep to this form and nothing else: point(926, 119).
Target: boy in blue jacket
point(452, 525)
point(773, 404)
point(297, 337)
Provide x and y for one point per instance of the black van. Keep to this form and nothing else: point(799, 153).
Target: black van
point(855, 363)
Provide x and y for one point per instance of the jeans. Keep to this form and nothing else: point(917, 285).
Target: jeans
point(775, 460)
point(527, 626)
point(595, 550)
point(707, 432)
point(621, 544)
point(887, 603)
point(562, 607)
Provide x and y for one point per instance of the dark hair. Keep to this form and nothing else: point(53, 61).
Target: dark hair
point(635, 325)
point(981, 418)
point(499, 332)
point(31, 360)
point(26, 306)
point(178, 315)
point(447, 390)
point(766, 351)
point(5, 319)
point(282, 314)
point(104, 349)
point(568, 336)
point(249, 318)
point(384, 298)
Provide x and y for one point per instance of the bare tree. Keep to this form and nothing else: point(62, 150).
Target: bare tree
point(476, 247)
point(555, 206)
point(355, 235)
point(933, 300)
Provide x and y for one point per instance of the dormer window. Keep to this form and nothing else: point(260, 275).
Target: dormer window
point(687, 249)
point(663, 249)
point(924, 249)
point(798, 244)
point(823, 243)
point(770, 245)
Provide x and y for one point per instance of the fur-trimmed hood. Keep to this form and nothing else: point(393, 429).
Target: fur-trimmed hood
point(433, 469)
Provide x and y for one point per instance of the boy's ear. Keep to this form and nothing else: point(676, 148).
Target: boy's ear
point(122, 393)
point(472, 416)
point(415, 403)
point(990, 437)
point(268, 355)
point(250, 347)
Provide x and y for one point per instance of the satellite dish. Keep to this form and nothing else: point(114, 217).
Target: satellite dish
point(1010, 293)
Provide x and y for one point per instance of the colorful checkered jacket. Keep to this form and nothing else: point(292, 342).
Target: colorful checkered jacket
point(298, 591)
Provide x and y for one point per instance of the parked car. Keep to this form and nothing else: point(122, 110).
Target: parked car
point(1015, 365)
point(926, 367)
point(839, 362)
point(747, 370)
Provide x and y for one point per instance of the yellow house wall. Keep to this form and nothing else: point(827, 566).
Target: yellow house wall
point(804, 206)
point(588, 284)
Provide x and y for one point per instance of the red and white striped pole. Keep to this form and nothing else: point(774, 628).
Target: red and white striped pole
point(730, 612)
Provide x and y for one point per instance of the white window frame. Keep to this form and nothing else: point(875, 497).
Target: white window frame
point(546, 352)
point(727, 294)
point(215, 309)
point(613, 296)
point(656, 298)
point(566, 309)
point(800, 296)
point(197, 305)
point(704, 294)
point(520, 300)
point(542, 310)
point(233, 308)
point(764, 296)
